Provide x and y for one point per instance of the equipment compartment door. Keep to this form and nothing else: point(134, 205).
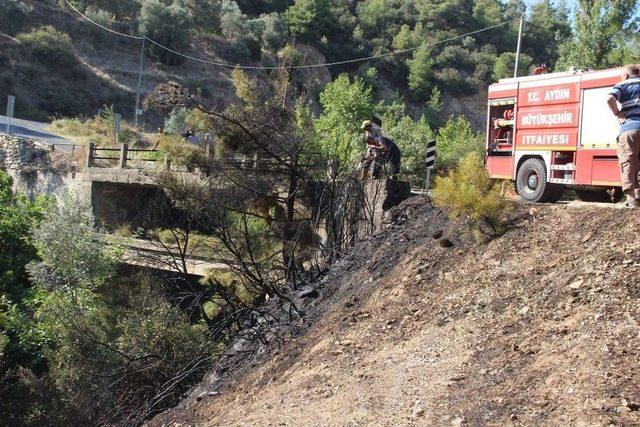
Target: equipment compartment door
point(599, 128)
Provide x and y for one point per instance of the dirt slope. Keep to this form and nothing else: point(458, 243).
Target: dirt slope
point(537, 327)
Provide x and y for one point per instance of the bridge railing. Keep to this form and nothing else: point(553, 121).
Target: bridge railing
point(138, 158)
point(123, 156)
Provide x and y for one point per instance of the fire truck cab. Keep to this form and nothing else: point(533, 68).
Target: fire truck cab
point(553, 131)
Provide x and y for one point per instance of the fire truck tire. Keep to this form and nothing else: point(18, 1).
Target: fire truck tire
point(532, 185)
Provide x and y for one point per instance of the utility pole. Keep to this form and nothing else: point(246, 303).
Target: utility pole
point(515, 72)
point(137, 110)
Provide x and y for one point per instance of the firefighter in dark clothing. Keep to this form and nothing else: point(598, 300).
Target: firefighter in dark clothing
point(385, 151)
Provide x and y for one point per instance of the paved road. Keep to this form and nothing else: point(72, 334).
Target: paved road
point(34, 130)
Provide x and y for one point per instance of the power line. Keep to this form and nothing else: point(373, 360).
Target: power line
point(326, 64)
point(102, 26)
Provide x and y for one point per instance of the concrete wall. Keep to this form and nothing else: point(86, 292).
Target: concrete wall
point(35, 169)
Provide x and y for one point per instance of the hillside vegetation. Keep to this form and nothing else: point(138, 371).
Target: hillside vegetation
point(422, 325)
point(60, 64)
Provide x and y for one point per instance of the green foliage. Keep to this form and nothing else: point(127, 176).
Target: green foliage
point(121, 9)
point(13, 15)
point(74, 259)
point(433, 108)
point(311, 20)
point(345, 105)
point(421, 71)
point(506, 63)
point(49, 46)
point(257, 7)
point(467, 190)
point(234, 24)
point(546, 27)
point(246, 34)
point(199, 121)
point(306, 18)
point(205, 13)
point(189, 156)
point(246, 88)
point(455, 140)
point(22, 343)
point(103, 18)
point(412, 138)
point(176, 122)
point(113, 360)
point(291, 55)
point(600, 29)
point(275, 31)
point(168, 25)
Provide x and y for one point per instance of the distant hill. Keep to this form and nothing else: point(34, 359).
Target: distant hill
point(102, 68)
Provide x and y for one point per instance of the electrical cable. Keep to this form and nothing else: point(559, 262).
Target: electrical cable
point(296, 67)
point(102, 26)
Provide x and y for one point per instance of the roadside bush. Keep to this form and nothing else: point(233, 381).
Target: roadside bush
point(455, 140)
point(468, 190)
point(176, 124)
point(49, 46)
point(98, 129)
point(189, 156)
point(120, 365)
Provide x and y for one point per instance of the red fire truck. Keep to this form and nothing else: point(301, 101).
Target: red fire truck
point(554, 131)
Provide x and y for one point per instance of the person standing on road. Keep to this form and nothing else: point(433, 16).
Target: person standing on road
point(626, 94)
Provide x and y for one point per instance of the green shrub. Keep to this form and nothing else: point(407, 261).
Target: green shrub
point(98, 129)
point(206, 14)
point(421, 72)
point(175, 124)
point(506, 63)
point(13, 14)
point(189, 156)
point(455, 140)
point(275, 31)
point(167, 25)
point(345, 104)
point(233, 22)
point(103, 18)
point(119, 8)
point(468, 190)
point(50, 46)
point(412, 138)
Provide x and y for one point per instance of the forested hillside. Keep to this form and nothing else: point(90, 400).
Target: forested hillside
point(47, 48)
point(275, 194)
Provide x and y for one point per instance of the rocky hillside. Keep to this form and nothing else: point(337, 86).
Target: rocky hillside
point(422, 325)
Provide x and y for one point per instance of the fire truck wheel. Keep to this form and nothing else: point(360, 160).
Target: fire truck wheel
point(532, 184)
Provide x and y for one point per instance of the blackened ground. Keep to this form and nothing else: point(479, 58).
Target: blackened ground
point(423, 325)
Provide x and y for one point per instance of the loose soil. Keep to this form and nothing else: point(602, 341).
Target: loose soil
point(423, 325)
